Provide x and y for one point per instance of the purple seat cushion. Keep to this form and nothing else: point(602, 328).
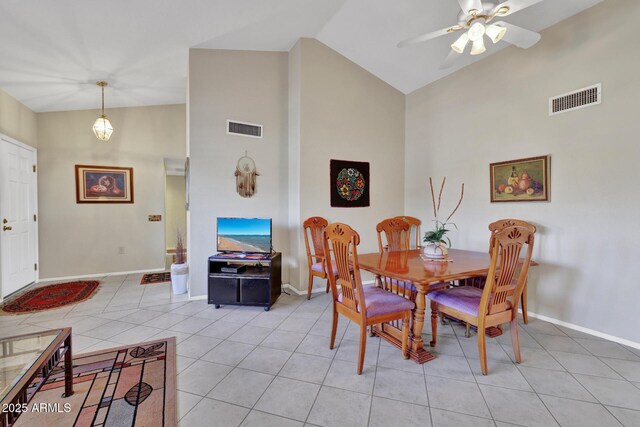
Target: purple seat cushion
point(318, 267)
point(462, 298)
point(380, 302)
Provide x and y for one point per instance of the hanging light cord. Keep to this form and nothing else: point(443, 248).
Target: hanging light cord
point(102, 86)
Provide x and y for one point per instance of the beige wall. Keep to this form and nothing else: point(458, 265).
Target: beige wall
point(17, 121)
point(77, 239)
point(175, 212)
point(497, 110)
point(344, 113)
point(246, 86)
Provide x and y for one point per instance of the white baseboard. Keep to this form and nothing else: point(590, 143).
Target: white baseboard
point(602, 335)
point(197, 298)
point(316, 289)
point(119, 273)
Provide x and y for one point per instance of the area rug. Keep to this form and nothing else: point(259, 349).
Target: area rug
point(156, 278)
point(133, 385)
point(51, 296)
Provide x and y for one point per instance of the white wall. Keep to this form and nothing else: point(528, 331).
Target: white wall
point(17, 121)
point(175, 212)
point(344, 113)
point(78, 239)
point(497, 109)
point(245, 86)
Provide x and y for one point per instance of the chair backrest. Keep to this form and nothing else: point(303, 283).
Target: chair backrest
point(414, 227)
point(343, 240)
point(498, 225)
point(505, 265)
point(315, 227)
point(396, 233)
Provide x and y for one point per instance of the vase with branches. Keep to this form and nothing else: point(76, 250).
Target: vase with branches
point(179, 269)
point(437, 240)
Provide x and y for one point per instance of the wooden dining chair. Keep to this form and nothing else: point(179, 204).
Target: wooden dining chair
point(496, 226)
point(479, 281)
point(396, 233)
point(414, 229)
point(364, 305)
point(314, 228)
point(490, 306)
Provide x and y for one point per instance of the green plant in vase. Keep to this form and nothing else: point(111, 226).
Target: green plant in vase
point(437, 240)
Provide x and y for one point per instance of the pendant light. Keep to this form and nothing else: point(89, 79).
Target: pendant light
point(102, 127)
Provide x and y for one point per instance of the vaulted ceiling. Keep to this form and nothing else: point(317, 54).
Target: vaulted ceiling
point(53, 52)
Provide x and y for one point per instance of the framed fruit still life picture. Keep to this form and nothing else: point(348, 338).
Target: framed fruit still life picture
point(104, 184)
point(349, 184)
point(522, 180)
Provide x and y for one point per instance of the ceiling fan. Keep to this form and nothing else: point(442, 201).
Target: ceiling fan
point(475, 20)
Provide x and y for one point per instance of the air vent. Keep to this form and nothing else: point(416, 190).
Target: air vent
point(581, 98)
point(244, 129)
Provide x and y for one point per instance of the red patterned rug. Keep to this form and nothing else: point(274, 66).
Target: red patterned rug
point(133, 385)
point(156, 278)
point(51, 296)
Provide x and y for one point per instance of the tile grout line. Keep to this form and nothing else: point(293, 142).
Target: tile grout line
point(306, 420)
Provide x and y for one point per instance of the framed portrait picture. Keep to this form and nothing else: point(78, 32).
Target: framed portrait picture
point(104, 184)
point(522, 180)
point(349, 185)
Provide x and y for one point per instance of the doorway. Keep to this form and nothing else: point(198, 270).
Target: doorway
point(18, 213)
point(175, 211)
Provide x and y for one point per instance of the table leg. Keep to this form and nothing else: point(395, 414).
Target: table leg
point(416, 350)
point(68, 368)
point(418, 321)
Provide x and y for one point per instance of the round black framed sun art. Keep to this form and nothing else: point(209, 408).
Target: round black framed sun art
point(349, 184)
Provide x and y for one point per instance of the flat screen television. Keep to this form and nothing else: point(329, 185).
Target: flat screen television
point(244, 235)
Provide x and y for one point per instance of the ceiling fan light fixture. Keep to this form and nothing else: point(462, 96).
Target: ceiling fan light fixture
point(476, 31)
point(496, 32)
point(478, 47)
point(461, 43)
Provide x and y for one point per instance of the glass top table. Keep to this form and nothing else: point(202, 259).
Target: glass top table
point(24, 358)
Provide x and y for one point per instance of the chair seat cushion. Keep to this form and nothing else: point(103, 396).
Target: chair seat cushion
point(380, 302)
point(462, 298)
point(318, 267)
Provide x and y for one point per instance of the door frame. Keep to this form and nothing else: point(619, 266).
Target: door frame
point(8, 139)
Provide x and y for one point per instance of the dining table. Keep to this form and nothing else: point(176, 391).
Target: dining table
point(420, 276)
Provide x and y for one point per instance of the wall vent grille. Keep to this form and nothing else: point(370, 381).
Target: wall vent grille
point(581, 98)
point(252, 130)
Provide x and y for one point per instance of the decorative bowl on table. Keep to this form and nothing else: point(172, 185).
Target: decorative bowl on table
point(435, 251)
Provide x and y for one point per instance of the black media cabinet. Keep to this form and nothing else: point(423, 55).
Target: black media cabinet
point(260, 284)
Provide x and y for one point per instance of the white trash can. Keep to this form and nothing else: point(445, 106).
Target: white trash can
point(179, 276)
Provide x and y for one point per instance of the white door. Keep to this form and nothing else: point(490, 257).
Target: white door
point(18, 200)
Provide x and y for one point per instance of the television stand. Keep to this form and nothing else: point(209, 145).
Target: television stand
point(259, 285)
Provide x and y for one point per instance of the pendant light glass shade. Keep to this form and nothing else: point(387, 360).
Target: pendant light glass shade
point(102, 127)
point(461, 43)
point(478, 47)
point(495, 32)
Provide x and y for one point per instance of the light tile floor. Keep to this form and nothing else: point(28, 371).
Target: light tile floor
point(244, 366)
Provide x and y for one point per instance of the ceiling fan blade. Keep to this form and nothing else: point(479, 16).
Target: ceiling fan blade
point(428, 36)
point(514, 6)
point(450, 60)
point(518, 36)
point(467, 5)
